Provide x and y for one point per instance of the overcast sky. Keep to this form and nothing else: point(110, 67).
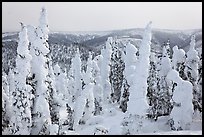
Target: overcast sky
point(93, 16)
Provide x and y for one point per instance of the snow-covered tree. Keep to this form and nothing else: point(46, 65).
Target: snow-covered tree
point(6, 107)
point(130, 60)
point(105, 69)
point(88, 91)
point(124, 96)
point(11, 81)
point(182, 111)
point(76, 72)
point(21, 119)
point(178, 60)
point(79, 98)
point(138, 92)
point(168, 49)
point(165, 87)
point(60, 80)
point(52, 94)
point(97, 89)
point(116, 72)
point(200, 80)
point(60, 108)
point(191, 71)
point(39, 67)
point(152, 89)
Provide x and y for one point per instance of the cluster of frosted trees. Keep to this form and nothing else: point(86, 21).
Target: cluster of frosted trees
point(39, 98)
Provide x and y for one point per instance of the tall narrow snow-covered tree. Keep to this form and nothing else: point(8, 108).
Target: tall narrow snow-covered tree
point(61, 108)
point(130, 60)
point(88, 91)
point(138, 95)
point(6, 107)
point(152, 89)
point(191, 71)
point(165, 87)
point(116, 72)
point(105, 70)
point(182, 98)
point(79, 98)
point(21, 121)
point(200, 79)
point(52, 94)
point(76, 70)
point(39, 67)
point(97, 89)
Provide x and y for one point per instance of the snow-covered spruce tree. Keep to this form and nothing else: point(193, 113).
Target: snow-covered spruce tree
point(152, 89)
point(165, 87)
point(63, 112)
point(59, 85)
point(124, 96)
point(11, 81)
point(97, 89)
point(191, 71)
point(76, 73)
point(130, 60)
point(21, 119)
point(138, 92)
point(6, 107)
point(88, 91)
point(52, 94)
point(60, 80)
point(116, 72)
point(79, 99)
point(105, 70)
point(178, 60)
point(200, 81)
point(39, 67)
point(181, 114)
point(137, 105)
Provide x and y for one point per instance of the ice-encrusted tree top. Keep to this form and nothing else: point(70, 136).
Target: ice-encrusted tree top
point(165, 65)
point(23, 42)
point(44, 22)
point(192, 54)
point(178, 56)
point(23, 59)
point(88, 75)
point(192, 61)
point(130, 57)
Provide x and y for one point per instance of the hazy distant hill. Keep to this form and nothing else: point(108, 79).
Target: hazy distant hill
point(93, 41)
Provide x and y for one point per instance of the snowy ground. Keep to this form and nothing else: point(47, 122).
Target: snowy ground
point(110, 123)
point(186, 132)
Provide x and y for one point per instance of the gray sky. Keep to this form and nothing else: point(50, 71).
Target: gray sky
point(93, 16)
